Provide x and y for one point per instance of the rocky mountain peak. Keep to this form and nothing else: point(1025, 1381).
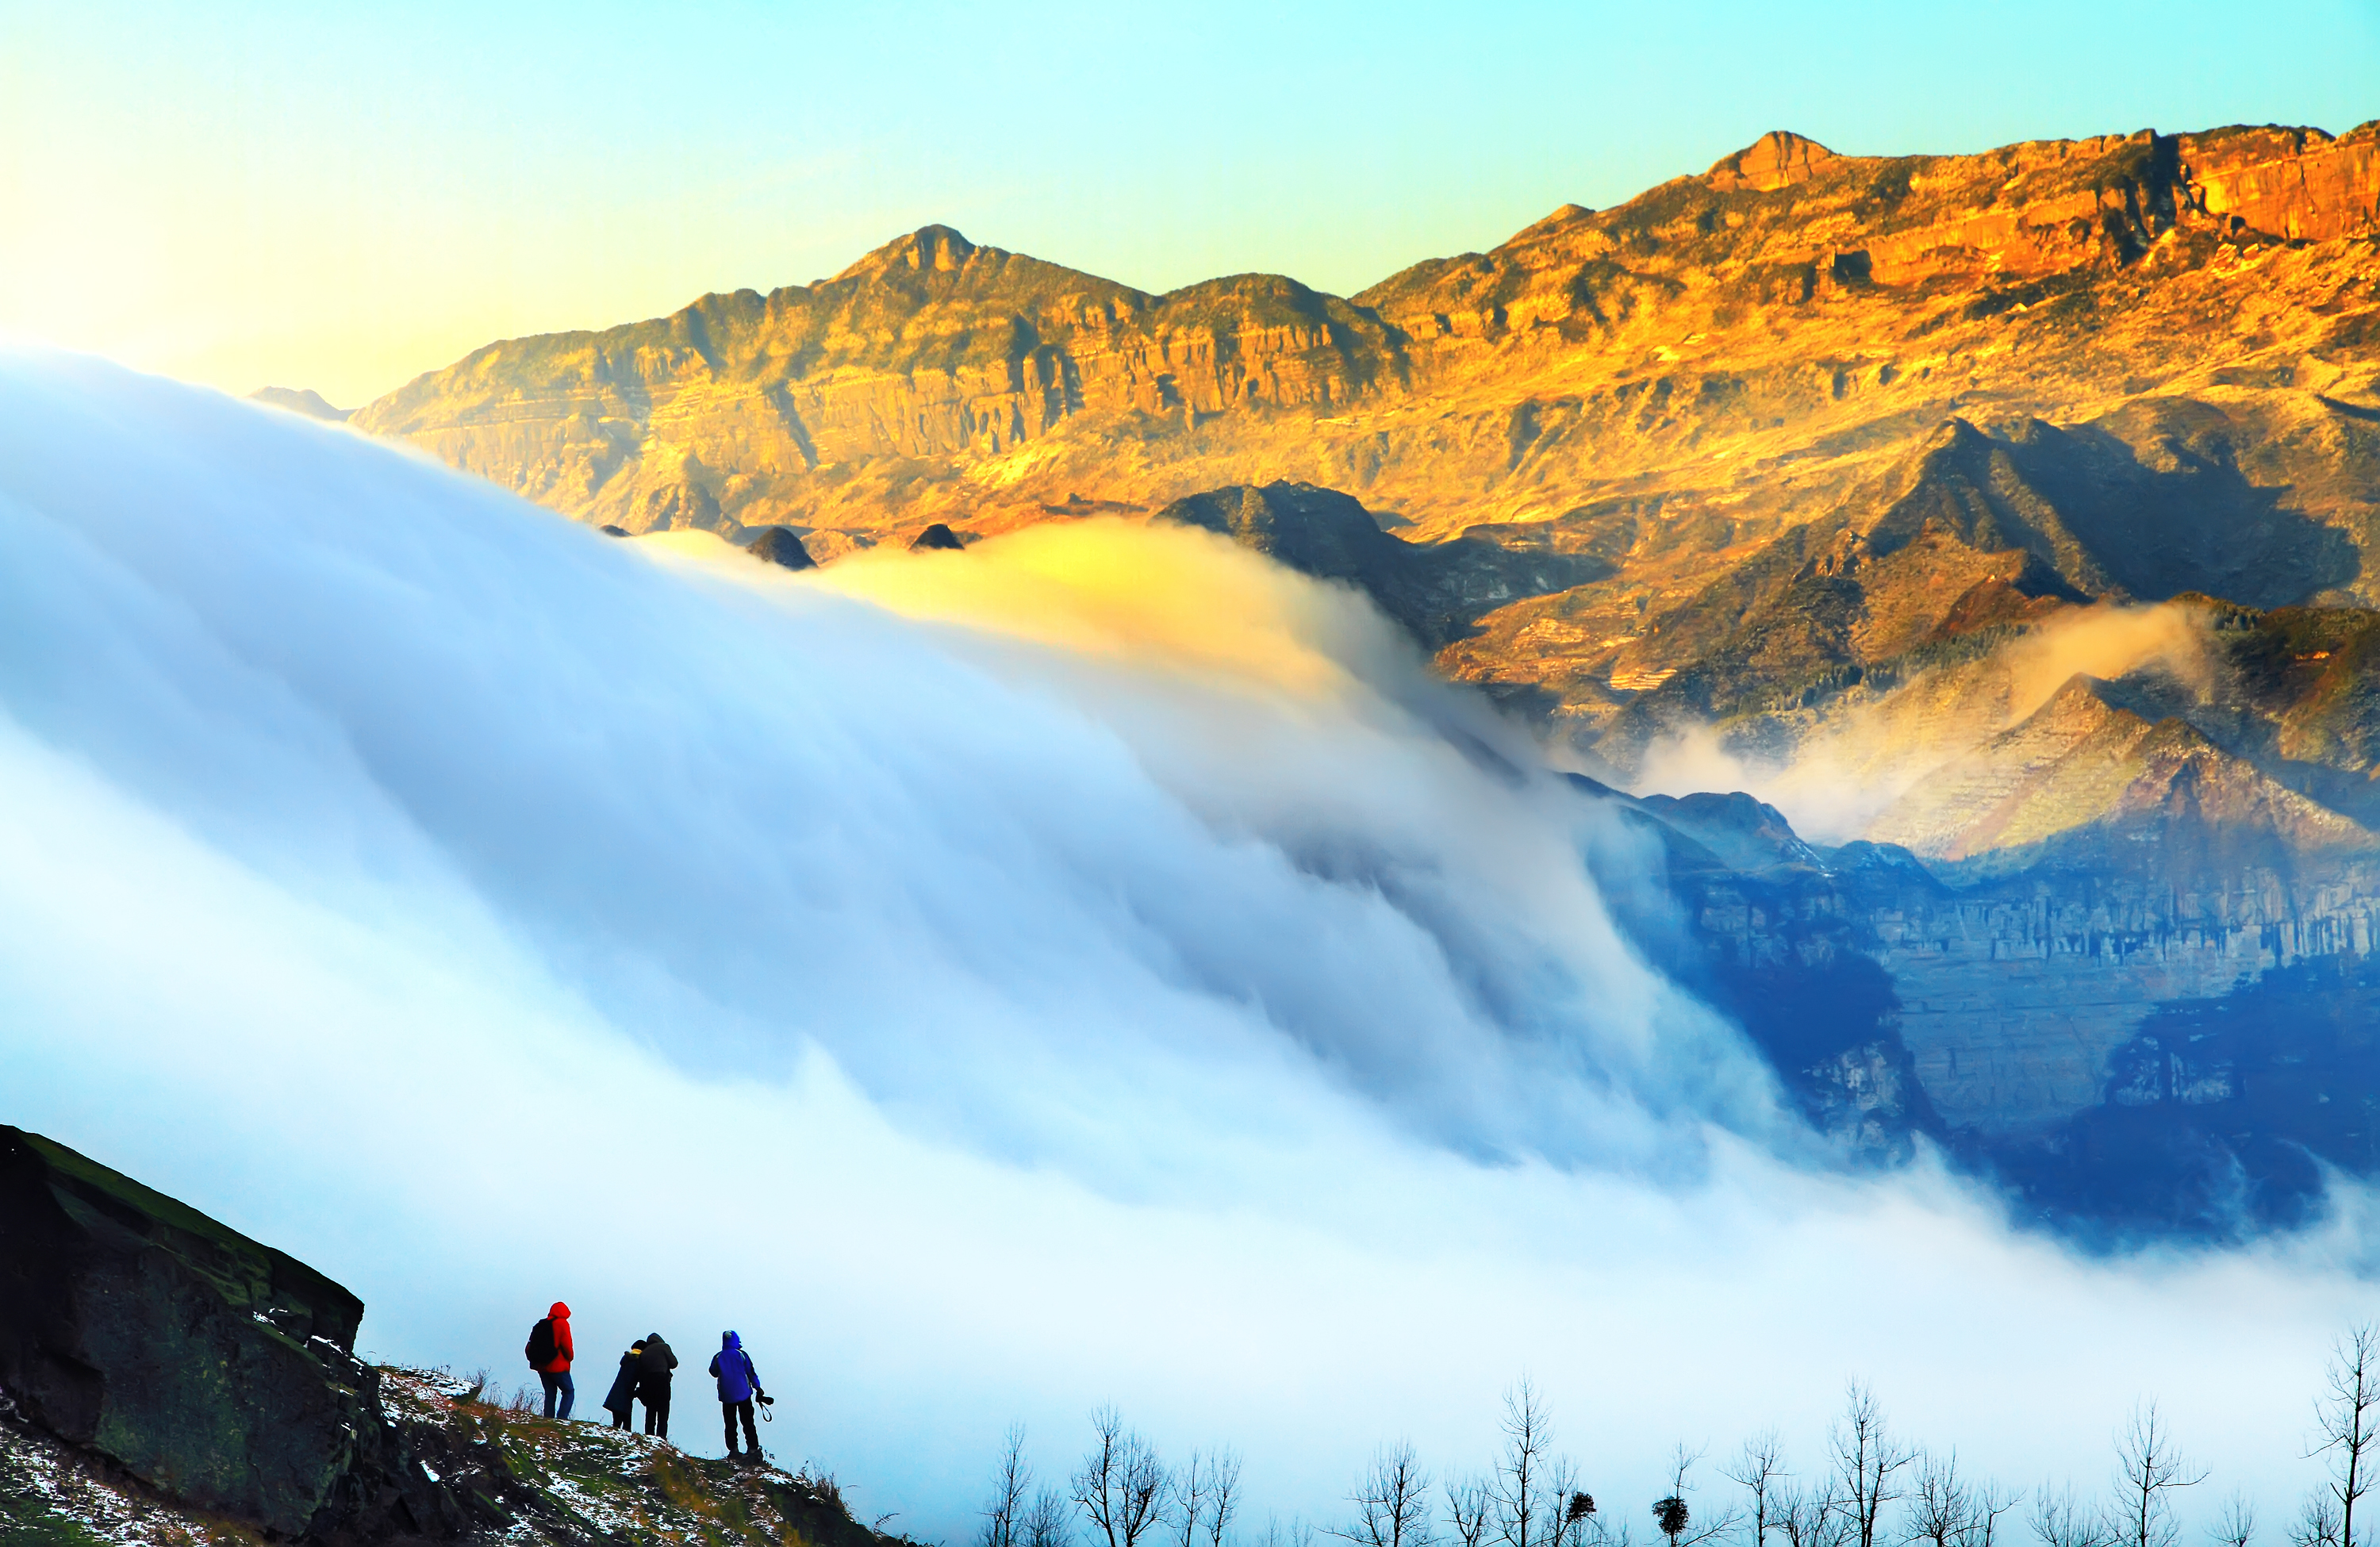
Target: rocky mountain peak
point(1775, 160)
point(928, 250)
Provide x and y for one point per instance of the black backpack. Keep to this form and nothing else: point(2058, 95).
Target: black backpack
point(541, 1349)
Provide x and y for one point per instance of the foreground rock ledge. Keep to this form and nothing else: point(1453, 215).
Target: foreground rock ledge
point(166, 1381)
point(208, 1366)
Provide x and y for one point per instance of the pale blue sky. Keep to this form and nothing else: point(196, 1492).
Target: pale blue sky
point(344, 196)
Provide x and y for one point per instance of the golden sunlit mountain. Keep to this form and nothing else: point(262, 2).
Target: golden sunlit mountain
point(1779, 423)
point(1664, 387)
point(1826, 465)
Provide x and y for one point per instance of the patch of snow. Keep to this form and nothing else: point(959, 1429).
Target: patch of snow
point(47, 1472)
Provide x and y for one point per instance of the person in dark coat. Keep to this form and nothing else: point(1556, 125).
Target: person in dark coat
point(654, 1367)
point(621, 1401)
point(739, 1384)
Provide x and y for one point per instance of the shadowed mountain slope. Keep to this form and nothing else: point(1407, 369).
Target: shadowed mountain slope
point(1435, 590)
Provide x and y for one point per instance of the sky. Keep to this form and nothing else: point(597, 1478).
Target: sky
point(1172, 1001)
point(342, 197)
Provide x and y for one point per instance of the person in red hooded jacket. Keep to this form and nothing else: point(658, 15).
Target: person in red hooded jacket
point(550, 1352)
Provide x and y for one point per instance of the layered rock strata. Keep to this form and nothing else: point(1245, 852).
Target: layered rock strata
point(1617, 374)
point(2007, 1018)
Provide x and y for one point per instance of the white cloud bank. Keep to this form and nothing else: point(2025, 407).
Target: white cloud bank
point(1094, 966)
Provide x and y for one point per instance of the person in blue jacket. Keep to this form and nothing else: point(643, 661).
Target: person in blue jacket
point(739, 1384)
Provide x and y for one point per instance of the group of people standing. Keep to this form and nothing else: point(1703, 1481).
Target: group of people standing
point(644, 1377)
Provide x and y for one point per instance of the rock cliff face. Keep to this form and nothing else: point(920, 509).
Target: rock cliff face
point(2133, 1058)
point(2086, 855)
point(757, 411)
point(214, 1370)
point(2133, 365)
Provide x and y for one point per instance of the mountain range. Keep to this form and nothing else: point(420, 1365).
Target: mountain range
point(2021, 504)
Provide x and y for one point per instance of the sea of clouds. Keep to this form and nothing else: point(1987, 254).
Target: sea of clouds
point(1096, 967)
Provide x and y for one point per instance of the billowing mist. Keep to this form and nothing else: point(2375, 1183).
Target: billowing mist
point(1850, 762)
point(1094, 966)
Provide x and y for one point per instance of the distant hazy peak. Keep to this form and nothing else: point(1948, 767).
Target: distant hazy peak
point(1773, 161)
point(300, 400)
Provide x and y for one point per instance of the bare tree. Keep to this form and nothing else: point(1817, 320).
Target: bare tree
point(1120, 1484)
point(1519, 1491)
point(1867, 1461)
point(1047, 1524)
point(1223, 1493)
point(2236, 1526)
point(2060, 1519)
point(1990, 1502)
point(1807, 1519)
point(1186, 1494)
point(1758, 1469)
point(1391, 1501)
point(1941, 1506)
point(2318, 1523)
point(1005, 1513)
point(1794, 1516)
point(1467, 1506)
point(2348, 1418)
point(2151, 1468)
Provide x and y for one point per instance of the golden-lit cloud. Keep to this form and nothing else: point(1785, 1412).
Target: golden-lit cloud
point(1149, 592)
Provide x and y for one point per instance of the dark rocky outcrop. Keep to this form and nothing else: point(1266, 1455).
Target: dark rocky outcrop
point(937, 538)
point(212, 1369)
point(780, 546)
point(165, 1379)
point(1780, 937)
point(1435, 590)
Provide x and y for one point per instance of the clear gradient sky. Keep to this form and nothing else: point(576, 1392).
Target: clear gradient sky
point(344, 196)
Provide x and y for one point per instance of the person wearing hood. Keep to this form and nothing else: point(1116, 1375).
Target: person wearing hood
point(739, 1384)
point(621, 1400)
point(550, 1352)
point(654, 1367)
